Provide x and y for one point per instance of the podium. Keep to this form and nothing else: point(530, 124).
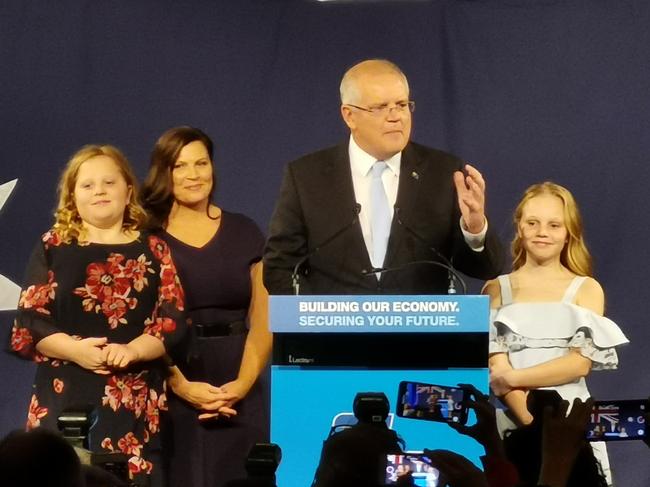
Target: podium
point(328, 348)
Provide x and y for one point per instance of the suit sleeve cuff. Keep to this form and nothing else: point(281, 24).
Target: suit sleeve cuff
point(475, 241)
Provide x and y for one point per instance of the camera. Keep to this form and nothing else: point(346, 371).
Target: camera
point(261, 464)
point(75, 424)
point(371, 407)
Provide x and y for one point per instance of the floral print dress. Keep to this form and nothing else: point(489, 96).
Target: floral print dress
point(117, 291)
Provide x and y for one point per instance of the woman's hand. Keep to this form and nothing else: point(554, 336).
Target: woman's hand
point(223, 412)
point(119, 356)
point(237, 391)
point(199, 394)
point(231, 393)
point(205, 397)
point(89, 354)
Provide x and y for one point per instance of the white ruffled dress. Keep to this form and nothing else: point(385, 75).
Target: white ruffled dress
point(534, 333)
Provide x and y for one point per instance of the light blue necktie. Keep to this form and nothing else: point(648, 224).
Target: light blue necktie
point(380, 215)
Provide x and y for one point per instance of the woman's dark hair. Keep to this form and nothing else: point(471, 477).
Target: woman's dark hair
point(157, 196)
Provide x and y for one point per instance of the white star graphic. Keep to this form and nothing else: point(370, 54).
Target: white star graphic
point(9, 291)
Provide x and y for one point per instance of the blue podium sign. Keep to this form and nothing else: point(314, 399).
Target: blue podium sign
point(328, 348)
point(309, 402)
point(378, 314)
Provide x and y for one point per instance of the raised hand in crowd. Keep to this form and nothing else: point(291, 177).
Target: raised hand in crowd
point(485, 429)
point(562, 439)
point(456, 470)
point(499, 472)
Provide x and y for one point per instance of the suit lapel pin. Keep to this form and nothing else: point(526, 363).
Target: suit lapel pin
point(415, 175)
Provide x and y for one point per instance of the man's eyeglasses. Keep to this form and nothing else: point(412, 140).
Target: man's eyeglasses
point(385, 109)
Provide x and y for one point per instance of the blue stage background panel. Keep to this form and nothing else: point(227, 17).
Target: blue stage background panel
point(305, 400)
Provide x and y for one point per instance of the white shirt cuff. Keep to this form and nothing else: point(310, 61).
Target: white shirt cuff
point(476, 241)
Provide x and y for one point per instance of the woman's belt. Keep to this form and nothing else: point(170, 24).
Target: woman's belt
point(217, 322)
point(207, 330)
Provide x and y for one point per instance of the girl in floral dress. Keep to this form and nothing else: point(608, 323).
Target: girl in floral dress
point(101, 305)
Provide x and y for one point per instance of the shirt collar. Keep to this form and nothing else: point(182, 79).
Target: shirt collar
point(361, 162)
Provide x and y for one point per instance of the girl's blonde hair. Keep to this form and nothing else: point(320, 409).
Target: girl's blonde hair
point(575, 255)
point(67, 221)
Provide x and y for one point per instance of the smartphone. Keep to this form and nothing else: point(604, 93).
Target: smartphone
point(415, 464)
point(431, 402)
point(618, 420)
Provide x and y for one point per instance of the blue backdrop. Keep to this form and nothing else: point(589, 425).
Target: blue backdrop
point(526, 90)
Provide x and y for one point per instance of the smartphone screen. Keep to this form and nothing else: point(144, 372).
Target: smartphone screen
point(415, 464)
point(617, 420)
point(431, 402)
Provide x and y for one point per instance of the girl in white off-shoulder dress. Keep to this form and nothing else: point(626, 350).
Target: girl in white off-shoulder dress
point(547, 329)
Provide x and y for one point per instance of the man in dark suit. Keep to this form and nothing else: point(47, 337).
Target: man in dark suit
point(376, 202)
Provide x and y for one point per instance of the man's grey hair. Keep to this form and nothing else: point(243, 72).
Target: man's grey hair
point(349, 89)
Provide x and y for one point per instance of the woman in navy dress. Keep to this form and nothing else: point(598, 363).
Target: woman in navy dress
point(101, 303)
point(219, 408)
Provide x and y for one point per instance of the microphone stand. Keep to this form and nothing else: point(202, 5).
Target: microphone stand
point(295, 275)
point(452, 273)
point(450, 270)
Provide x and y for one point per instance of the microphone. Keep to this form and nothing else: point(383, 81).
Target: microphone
point(453, 274)
point(443, 262)
point(295, 275)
